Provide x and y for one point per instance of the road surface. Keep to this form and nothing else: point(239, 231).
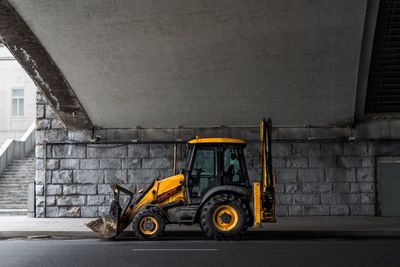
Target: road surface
point(200, 252)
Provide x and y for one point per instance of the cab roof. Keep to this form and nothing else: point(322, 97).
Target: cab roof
point(216, 140)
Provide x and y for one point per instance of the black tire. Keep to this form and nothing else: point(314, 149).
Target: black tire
point(208, 222)
point(148, 217)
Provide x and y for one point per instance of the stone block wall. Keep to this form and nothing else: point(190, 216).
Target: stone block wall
point(317, 178)
point(314, 178)
point(79, 176)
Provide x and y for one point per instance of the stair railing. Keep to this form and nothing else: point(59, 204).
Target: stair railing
point(17, 149)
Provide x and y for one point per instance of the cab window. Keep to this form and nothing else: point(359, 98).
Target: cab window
point(234, 168)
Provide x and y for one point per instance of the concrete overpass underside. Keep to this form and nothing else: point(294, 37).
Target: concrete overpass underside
point(123, 64)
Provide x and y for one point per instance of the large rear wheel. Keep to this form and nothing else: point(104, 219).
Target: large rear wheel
point(224, 217)
point(148, 224)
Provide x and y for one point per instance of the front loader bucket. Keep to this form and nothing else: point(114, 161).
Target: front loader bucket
point(106, 226)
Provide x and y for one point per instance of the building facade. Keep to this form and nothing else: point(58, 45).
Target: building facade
point(17, 98)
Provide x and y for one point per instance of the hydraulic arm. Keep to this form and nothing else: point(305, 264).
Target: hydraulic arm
point(264, 191)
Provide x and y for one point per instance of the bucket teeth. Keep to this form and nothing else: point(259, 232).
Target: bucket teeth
point(105, 226)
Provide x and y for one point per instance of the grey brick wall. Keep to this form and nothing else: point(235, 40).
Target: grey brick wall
point(313, 177)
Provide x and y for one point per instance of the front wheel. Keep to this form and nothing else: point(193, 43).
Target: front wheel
point(148, 225)
point(224, 216)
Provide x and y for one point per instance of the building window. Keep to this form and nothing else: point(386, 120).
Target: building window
point(18, 102)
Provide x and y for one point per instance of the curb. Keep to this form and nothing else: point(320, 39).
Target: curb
point(41, 234)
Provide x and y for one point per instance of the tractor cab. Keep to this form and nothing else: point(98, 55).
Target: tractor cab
point(214, 162)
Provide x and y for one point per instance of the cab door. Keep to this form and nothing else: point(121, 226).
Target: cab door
point(203, 172)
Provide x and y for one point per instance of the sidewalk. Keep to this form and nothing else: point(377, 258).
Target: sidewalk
point(301, 227)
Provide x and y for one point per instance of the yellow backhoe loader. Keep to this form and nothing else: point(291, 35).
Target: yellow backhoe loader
point(212, 190)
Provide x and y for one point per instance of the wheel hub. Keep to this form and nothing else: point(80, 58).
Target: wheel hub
point(148, 225)
point(225, 217)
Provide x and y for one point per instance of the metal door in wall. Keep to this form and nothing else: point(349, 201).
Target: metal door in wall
point(388, 186)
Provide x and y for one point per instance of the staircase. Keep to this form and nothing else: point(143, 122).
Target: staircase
point(14, 186)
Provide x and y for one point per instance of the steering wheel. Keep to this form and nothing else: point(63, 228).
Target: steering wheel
point(196, 178)
point(198, 171)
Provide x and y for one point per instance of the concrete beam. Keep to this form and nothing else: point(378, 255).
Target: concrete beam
point(371, 17)
point(29, 52)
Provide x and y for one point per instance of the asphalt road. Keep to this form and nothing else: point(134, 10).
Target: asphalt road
point(200, 252)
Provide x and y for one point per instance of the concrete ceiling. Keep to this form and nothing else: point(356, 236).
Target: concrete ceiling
point(165, 63)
